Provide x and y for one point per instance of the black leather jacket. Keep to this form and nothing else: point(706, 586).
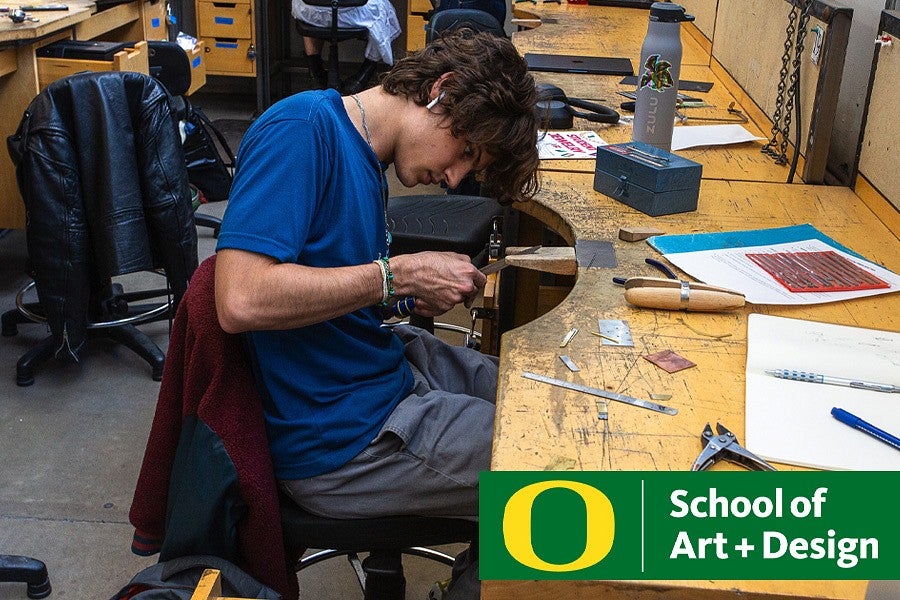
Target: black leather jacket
point(100, 167)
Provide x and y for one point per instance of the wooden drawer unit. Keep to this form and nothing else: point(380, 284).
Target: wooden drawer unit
point(228, 32)
point(154, 12)
point(229, 56)
point(224, 20)
point(131, 59)
point(197, 58)
point(417, 12)
point(8, 61)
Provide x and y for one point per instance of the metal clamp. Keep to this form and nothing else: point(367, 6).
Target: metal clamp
point(495, 241)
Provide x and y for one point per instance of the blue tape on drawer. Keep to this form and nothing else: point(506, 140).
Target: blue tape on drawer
point(156, 22)
point(195, 63)
point(231, 45)
point(224, 20)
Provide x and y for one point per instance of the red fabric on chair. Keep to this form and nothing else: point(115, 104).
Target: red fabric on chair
point(207, 373)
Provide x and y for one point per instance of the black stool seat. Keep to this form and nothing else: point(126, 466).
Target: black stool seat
point(385, 539)
point(442, 222)
point(305, 530)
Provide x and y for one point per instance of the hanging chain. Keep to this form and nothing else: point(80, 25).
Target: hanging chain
point(769, 147)
point(789, 82)
point(794, 90)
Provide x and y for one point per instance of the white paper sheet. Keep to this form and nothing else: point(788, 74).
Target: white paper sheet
point(569, 144)
point(730, 268)
point(691, 136)
point(791, 422)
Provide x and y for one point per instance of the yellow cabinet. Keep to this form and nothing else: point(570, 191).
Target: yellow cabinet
point(197, 59)
point(228, 32)
point(154, 13)
point(417, 11)
point(130, 59)
point(8, 61)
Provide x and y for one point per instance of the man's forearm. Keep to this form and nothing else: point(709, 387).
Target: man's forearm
point(256, 292)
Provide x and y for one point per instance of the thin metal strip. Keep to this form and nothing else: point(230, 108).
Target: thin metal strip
point(601, 393)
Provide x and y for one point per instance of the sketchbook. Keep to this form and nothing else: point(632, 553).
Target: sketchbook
point(790, 421)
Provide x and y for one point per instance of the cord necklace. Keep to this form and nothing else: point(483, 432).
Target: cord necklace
point(384, 186)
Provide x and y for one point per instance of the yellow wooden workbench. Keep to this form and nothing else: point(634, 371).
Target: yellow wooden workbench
point(580, 29)
point(611, 31)
point(742, 162)
point(539, 427)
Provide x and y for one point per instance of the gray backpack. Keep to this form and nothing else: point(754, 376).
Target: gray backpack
point(177, 579)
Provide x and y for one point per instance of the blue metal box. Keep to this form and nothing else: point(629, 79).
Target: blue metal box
point(644, 177)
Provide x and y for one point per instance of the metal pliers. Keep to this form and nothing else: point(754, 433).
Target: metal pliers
point(726, 447)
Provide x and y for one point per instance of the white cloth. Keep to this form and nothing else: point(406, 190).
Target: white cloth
point(378, 16)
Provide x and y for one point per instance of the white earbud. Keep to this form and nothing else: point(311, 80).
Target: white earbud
point(434, 102)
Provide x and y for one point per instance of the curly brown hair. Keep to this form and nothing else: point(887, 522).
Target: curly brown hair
point(489, 98)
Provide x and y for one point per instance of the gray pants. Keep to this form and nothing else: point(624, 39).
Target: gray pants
point(427, 456)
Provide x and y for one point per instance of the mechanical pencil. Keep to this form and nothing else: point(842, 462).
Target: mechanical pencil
point(818, 378)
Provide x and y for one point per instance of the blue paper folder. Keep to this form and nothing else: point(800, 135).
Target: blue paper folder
point(695, 242)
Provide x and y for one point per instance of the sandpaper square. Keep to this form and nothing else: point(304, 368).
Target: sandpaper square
point(669, 361)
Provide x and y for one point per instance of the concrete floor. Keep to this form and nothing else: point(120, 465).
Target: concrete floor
point(71, 447)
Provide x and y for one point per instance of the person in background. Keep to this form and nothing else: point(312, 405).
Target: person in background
point(363, 420)
point(378, 16)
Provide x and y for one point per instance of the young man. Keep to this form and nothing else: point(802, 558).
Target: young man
point(363, 421)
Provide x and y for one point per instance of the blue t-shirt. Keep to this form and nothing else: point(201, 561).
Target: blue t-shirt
point(308, 190)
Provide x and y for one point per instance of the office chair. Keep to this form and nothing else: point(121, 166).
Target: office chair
point(101, 170)
point(209, 404)
point(495, 8)
point(453, 223)
point(386, 539)
point(170, 65)
point(457, 18)
point(25, 570)
point(333, 34)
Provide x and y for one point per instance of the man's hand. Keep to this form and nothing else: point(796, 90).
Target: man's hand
point(438, 280)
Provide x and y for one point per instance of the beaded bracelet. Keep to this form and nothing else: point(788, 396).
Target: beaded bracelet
point(384, 288)
point(387, 280)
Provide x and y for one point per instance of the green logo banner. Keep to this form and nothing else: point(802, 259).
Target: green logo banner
point(684, 525)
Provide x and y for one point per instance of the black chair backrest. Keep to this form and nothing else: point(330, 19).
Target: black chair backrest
point(456, 18)
point(495, 8)
point(170, 65)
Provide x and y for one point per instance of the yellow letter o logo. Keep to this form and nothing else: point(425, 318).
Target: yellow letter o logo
point(600, 525)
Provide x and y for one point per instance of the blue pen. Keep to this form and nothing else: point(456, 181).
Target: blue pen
point(856, 423)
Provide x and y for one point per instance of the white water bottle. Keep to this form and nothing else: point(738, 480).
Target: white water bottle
point(660, 66)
